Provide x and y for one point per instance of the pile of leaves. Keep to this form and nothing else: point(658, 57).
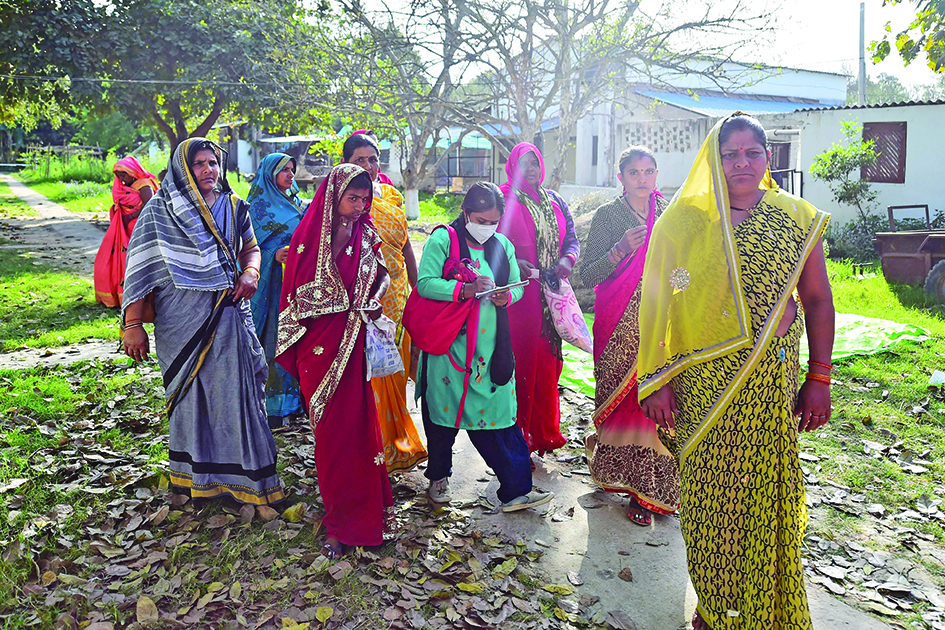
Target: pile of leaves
point(92, 536)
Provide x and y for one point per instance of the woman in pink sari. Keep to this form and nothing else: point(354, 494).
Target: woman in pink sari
point(539, 225)
point(625, 453)
point(132, 188)
point(334, 278)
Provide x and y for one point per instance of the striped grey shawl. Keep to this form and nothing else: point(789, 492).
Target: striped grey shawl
point(172, 242)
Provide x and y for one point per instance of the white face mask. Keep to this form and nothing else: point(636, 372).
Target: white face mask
point(481, 233)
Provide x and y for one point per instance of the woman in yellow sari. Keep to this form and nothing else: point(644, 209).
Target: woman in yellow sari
point(719, 373)
point(403, 449)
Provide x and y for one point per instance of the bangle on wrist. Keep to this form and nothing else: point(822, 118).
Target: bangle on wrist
point(826, 366)
point(132, 325)
point(821, 378)
point(255, 271)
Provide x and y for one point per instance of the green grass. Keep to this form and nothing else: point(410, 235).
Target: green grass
point(43, 307)
point(10, 205)
point(439, 208)
point(77, 196)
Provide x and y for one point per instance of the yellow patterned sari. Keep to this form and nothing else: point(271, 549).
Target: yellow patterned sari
point(713, 297)
point(403, 449)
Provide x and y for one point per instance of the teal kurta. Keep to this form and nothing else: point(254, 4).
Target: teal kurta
point(487, 406)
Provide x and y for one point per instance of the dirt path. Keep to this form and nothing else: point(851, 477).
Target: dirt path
point(65, 237)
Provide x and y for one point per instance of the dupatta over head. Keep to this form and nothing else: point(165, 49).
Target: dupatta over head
point(694, 308)
point(530, 220)
point(176, 239)
point(275, 215)
point(315, 286)
point(127, 198)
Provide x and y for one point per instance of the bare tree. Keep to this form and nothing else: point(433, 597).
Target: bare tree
point(412, 61)
point(559, 59)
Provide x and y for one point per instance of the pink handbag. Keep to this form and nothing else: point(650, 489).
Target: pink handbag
point(434, 324)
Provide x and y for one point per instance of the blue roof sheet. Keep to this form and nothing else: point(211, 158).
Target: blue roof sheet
point(718, 106)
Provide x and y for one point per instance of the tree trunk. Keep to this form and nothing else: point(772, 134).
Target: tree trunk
point(412, 203)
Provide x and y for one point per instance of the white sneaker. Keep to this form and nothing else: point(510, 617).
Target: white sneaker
point(439, 490)
point(532, 499)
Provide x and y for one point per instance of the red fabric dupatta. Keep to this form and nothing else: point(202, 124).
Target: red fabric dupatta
point(321, 297)
point(126, 200)
point(321, 344)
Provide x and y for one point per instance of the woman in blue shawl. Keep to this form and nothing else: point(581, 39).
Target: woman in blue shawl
point(276, 211)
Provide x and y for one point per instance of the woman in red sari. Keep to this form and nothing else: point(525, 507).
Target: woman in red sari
point(334, 278)
point(539, 225)
point(132, 188)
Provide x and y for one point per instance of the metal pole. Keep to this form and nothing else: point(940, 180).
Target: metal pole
point(862, 77)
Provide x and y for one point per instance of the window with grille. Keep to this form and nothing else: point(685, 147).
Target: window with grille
point(890, 145)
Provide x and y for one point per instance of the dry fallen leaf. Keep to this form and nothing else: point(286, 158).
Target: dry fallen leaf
point(236, 589)
point(247, 512)
point(574, 578)
point(558, 589)
point(340, 570)
point(146, 610)
point(158, 517)
point(324, 613)
point(48, 578)
point(266, 513)
point(294, 514)
point(626, 574)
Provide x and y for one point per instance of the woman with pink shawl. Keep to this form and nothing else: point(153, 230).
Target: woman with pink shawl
point(539, 225)
point(132, 188)
point(625, 453)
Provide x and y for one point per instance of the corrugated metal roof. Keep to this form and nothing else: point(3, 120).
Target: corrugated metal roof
point(882, 105)
point(717, 106)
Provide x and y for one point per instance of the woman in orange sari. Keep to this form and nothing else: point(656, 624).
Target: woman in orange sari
point(403, 449)
point(132, 188)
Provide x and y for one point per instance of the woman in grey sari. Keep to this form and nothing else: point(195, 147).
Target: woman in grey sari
point(193, 255)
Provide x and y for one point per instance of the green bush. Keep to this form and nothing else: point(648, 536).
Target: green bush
point(853, 240)
point(78, 168)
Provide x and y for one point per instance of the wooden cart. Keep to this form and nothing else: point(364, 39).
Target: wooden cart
point(913, 257)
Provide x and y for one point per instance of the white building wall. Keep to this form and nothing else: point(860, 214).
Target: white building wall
point(924, 181)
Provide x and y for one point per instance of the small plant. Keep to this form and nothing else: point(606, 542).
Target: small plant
point(836, 165)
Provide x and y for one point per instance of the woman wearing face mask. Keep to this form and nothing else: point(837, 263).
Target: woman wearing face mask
point(276, 211)
point(486, 407)
point(624, 453)
point(539, 225)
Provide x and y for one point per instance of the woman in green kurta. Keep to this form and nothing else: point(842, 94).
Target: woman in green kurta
point(488, 410)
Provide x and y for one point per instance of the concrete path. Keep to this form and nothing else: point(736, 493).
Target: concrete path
point(598, 541)
point(56, 226)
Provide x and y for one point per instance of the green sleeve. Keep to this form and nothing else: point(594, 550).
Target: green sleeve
point(430, 282)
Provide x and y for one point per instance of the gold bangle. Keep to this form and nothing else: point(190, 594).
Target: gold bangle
point(254, 270)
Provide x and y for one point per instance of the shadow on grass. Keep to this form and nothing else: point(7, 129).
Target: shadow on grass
point(915, 297)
